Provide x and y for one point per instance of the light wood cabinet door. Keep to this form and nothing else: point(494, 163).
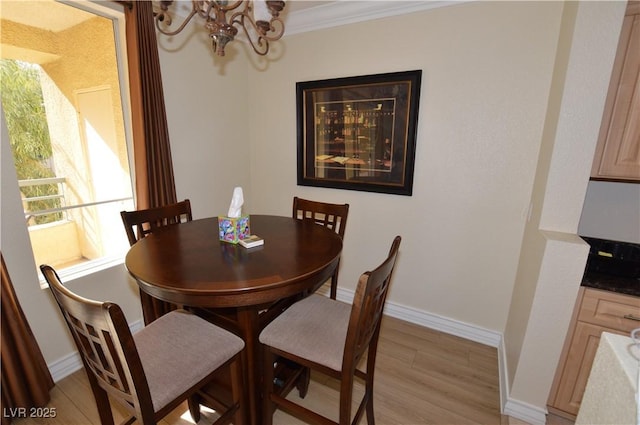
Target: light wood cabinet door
point(618, 151)
point(597, 311)
point(577, 366)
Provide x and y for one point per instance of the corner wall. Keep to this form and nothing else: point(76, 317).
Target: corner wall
point(553, 257)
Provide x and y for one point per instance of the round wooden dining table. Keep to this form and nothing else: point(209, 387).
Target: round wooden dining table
point(241, 289)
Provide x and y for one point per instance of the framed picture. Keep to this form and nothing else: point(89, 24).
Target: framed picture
point(359, 133)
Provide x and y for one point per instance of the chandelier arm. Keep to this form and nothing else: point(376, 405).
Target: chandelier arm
point(202, 8)
point(237, 16)
point(278, 32)
point(264, 47)
point(180, 28)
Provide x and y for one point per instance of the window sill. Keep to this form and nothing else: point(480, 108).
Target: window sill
point(87, 268)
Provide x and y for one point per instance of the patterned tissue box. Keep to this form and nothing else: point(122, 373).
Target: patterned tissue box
point(232, 229)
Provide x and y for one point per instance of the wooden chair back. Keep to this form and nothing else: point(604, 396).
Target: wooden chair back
point(366, 311)
point(141, 223)
point(333, 216)
point(107, 349)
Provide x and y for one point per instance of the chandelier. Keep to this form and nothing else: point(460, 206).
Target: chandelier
point(258, 18)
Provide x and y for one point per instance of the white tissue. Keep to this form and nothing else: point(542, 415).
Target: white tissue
point(235, 208)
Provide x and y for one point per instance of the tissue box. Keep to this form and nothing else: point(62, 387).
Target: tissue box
point(232, 229)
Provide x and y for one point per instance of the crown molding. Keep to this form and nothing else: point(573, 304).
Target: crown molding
point(339, 12)
point(344, 12)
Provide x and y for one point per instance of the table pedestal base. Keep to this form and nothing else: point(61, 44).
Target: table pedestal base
point(247, 323)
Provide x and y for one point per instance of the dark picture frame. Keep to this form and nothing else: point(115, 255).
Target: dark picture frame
point(359, 133)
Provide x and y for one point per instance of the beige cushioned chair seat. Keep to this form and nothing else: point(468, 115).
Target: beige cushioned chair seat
point(173, 362)
point(314, 328)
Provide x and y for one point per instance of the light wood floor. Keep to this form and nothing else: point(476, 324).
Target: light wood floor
point(422, 377)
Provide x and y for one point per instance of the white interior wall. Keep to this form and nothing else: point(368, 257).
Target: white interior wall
point(206, 100)
point(486, 76)
point(487, 70)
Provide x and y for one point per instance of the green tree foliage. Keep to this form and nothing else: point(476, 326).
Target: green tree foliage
point(28, 132)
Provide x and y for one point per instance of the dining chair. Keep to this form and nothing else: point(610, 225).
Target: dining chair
point(139, 224)
point(332, 216)
point(330, 337)
point(153, 371)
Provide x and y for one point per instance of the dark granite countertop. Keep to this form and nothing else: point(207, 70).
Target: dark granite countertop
point(610, 282)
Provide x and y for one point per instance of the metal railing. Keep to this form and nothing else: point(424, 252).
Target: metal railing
point(60, 181)
point(30, 213)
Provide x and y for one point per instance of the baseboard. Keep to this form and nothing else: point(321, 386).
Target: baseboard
point(515, 408)
point(434, 321)
point(72, 362)
point(65, 366)
point(525, 412)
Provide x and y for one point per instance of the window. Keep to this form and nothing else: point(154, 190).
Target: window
point(65, 97)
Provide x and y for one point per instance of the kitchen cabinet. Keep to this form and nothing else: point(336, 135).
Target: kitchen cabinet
point(618, 150)
point(596, 311)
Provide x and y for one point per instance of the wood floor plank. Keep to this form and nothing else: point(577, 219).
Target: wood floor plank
point(475, 379)
point(422, 377)
point(421, 387)
point(77, 387)
point(401, 352)
point(64, 409)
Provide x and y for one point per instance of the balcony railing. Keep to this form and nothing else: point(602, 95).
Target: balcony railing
point(67, 238)
point(60, 181)
point(29, 214)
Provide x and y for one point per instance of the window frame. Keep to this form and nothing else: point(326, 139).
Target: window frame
point(116, 14)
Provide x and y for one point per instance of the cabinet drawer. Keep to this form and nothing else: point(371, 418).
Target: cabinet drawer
point(610, 309)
